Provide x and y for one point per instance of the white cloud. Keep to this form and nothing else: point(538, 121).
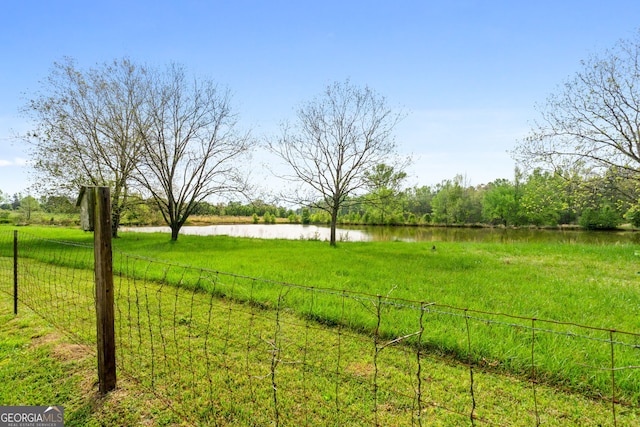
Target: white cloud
point(18, 161)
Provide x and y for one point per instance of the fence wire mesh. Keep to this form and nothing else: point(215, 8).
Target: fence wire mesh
point(227, 349)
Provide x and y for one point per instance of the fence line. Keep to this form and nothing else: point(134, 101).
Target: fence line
point(225, 348)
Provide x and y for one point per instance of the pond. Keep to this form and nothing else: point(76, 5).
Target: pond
point(264, 231)
point(407, 234)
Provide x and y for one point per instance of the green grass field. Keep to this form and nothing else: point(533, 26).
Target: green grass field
point(201, 377)
point(595, 285)
point(585, 284)
point(41, 366)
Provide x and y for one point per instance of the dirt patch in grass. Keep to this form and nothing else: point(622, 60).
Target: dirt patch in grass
point(361, 369)
point(66, 352)
point(41, 365)
point(45, 339)
point(61, 349)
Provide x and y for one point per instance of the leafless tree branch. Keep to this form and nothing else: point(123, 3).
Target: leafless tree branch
point(336, 138)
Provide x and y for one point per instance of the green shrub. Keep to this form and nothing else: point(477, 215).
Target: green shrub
point(633, 215)
point(605, 218)
point(394, 219)
point(306, 216)
point(269, 218)
point(294, 219)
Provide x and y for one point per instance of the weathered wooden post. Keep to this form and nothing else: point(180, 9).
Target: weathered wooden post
point(95, 203)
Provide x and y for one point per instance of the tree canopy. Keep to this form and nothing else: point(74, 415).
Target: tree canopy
point(337, 138)
point(135, 128)
point(191, 144)
point(593, 121)
point(84, 129)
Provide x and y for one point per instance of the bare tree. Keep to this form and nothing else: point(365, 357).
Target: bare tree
point(593, 122)
point(85, 129)
point(335, 140)
point(192, 147)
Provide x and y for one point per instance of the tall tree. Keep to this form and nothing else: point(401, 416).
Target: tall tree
point(594, 120)
point(501, 201)
point(15, 202)
point(544, 197)
point(84, 129)
point(456, 203)
point(192, 145)
point(28, 205)
point(383, 185)
point(419, 200)
point(337, 137)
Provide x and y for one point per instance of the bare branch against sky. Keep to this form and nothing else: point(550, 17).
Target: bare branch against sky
point(468, 73)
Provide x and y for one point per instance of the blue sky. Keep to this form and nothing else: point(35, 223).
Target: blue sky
point(467, 73)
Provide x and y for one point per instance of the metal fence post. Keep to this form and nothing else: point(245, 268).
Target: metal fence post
point(15, 272)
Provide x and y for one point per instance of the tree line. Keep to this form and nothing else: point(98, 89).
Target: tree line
point(537, 199)
point(541, 199)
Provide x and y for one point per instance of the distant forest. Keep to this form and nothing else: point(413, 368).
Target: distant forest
point(595, 201)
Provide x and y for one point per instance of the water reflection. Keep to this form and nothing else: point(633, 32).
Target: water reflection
point(501, 235)
point(263, 231)
point(409, 234)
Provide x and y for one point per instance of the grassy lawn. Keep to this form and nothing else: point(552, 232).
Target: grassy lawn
point(595, 285)
point(215, 367)
point(587, 284)
point(41, 366)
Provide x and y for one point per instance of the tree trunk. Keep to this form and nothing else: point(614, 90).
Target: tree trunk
point(334, 221)
point(115, 223)
point(175, 229)
point(117, 206)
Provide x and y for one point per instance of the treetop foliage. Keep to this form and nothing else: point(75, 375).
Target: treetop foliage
point(593, 121)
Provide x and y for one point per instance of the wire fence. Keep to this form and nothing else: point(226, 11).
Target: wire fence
point(224, 349)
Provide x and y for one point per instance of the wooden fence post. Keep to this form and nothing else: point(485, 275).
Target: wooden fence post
point(104, 289)
point(15, 272)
